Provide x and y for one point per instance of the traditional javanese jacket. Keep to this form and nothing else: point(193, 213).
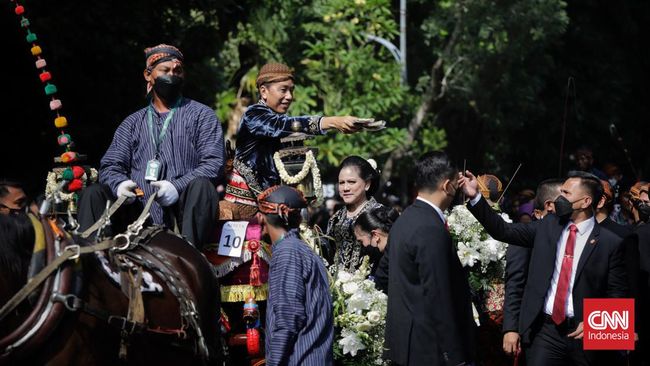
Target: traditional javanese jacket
point(258, 139)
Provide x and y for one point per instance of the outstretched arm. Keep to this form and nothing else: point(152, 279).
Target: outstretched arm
point(516, 234)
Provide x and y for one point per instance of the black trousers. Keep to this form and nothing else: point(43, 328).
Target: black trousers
point(550, 346)
point(195, 211)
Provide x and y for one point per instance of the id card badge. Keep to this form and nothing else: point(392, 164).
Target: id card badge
point(153, 170)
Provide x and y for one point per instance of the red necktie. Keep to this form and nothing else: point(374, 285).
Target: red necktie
point(446, 225)
point(559, 304)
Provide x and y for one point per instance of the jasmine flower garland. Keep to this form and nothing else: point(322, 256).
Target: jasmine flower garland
point(309, 165)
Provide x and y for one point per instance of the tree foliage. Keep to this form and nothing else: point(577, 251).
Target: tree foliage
point(487, 79)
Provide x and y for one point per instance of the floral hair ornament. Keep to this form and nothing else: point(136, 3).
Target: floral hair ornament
point(281, 201)
point(373, 164)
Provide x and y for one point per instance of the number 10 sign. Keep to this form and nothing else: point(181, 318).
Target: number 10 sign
point(232, 238)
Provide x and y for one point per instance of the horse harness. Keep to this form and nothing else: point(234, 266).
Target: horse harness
point(122, 252)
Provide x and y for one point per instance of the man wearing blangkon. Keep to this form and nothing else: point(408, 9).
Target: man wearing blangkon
point(172, 148)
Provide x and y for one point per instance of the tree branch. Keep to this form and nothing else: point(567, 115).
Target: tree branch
point(435, 92)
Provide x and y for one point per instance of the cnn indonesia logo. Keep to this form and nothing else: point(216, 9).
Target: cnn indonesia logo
point(608, 324)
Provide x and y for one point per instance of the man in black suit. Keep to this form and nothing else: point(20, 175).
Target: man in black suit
point(637, 247)
point(429, 318)
point(573, 258)
point(517, 259)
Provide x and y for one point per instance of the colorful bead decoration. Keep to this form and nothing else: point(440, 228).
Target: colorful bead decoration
point(31, 37)
point(60, 122)
point(69, 157)
point(55, 104)
point(36, 50)
point(45, 76)
point(63, 139)
point(76, 175)
point(50, 89)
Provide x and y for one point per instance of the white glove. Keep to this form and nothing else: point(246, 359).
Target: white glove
point(167, 194)
point(126, 189)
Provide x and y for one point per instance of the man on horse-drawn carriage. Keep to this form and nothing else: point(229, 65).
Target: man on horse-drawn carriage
point(172, 148)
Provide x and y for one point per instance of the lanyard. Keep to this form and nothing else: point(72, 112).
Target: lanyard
point(163, 130)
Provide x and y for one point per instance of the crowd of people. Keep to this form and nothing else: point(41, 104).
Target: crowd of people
point(173, 150)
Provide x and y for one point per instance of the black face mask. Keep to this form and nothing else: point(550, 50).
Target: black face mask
point(564, 207)
point(644, 212)
point(168, 88)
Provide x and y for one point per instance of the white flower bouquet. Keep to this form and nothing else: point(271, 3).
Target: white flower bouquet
point(359, 318)
point(477, 250)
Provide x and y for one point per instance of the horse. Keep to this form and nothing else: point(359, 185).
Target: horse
point(80, 316)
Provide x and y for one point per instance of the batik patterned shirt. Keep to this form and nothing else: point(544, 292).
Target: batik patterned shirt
point(192, 147)
point(299, 320)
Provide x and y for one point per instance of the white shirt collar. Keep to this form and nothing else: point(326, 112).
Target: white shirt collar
point(438, 210)
point(583, 227)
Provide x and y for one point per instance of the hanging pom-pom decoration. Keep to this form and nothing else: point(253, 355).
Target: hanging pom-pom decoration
point(61, 122)
point(24, 22)
point(45, 76)
point(31, 37)
point(75, 185)
point(36, 50)
point(78, 171)
point(40, 63)
point(55, 104)
point(67, 174)
point(253, 341)
point(50, 89)
point(63, 139)
point(19, 10)
point(68, 157)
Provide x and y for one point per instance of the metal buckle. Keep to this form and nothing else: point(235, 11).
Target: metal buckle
point(126, 239)
point(71, 302)
point(74, 247)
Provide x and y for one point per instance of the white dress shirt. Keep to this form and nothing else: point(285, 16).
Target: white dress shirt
point(584, 230)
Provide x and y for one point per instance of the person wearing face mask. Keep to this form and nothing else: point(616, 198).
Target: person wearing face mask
point(172, 148)
point(371, 228)
point(429, 319)
point(572, 258)
point(517, 260)
point(262, 126)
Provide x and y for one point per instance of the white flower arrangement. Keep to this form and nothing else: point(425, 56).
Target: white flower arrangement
point(310, 164)
point(477, 250)
point(359, 318)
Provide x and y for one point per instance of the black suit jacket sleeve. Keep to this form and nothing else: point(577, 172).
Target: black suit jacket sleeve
point(517, 234)
point(381, 274)
point(434, 258)
point(516, 272)
point(617, 285)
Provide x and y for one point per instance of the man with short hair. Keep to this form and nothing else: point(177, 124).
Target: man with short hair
point(605, 206)
point(517, 259)
point(263, 125)
point(429, 320)
point(12, 197)
point(572, 258)
point(299, 319)
point(173, 148)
